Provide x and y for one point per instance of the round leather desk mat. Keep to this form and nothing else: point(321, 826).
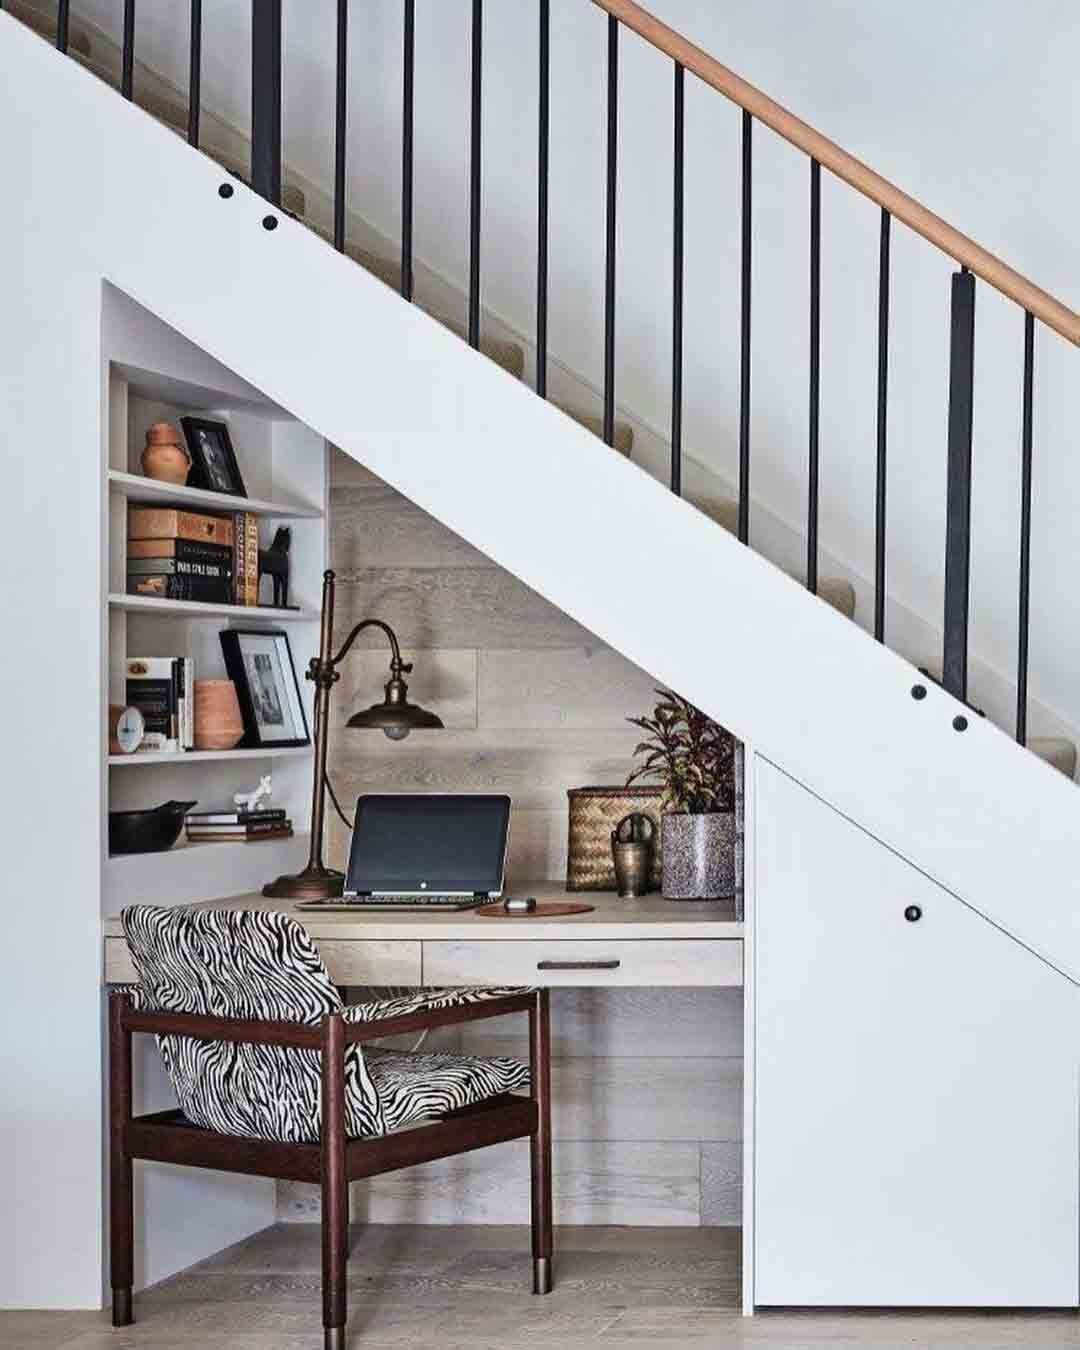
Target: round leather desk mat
point(551, 910)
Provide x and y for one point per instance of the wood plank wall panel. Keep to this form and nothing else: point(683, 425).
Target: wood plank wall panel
point(647, 1082)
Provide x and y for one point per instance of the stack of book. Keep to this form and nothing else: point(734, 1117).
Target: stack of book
point(163, 690)
point(180, 555)
point(246, 827)
point(189, 555)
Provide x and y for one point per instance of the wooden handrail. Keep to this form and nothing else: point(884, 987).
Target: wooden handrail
point(858, 175)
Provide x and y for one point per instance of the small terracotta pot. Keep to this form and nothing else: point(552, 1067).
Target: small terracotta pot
point(166, 457)
point(218, 724)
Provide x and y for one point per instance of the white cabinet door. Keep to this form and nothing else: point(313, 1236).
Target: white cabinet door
point(916, 1082)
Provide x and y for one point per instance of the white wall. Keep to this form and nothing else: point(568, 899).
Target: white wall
point(347, 357)
point(973, 109)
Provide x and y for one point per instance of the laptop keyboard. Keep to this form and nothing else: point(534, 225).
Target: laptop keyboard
point(397, 902)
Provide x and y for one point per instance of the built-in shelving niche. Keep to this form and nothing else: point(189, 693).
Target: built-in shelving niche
point(283, 464)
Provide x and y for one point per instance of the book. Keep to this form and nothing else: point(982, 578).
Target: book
point(248, 828)
point(176, 567)
point(238, 557)
point(185, 550)
point(239, 837)
point(164, 522)
point(199, 818)
point(251, 559)
point(150, 687)
point(210, 590)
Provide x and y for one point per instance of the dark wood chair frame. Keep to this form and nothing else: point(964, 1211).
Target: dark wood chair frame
point(336, 1159)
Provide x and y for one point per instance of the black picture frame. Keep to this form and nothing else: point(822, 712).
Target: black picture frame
point(213, 460)
point(260, 664)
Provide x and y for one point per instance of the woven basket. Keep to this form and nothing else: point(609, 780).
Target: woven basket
point(594, 813)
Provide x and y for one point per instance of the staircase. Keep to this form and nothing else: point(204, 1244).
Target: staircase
point(803, 718)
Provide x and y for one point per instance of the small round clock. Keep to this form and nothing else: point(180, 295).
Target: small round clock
point(130, 730)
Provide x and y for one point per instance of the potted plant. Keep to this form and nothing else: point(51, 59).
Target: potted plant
point(694, 757)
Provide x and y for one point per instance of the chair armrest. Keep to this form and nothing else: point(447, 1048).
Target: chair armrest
point(425, 1009)
point(138, 1017)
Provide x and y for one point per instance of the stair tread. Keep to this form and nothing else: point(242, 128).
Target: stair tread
point(624, 432)
point(1057, 751)
point(45, 26)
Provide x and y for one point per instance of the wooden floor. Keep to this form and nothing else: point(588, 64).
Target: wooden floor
point(467, 1289)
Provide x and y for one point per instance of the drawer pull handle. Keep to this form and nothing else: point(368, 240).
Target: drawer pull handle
point(578, 965)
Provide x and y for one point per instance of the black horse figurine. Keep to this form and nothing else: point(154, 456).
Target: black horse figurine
point(274, 562)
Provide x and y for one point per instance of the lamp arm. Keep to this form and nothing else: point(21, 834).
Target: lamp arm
point(359, 628)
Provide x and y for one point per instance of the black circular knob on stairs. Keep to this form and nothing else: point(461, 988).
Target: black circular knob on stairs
point(918, 691)
point(959, 723)
point(269, 222)
point(225, 190)
point(913, 913)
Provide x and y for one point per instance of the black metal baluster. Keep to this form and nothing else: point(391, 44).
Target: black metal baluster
point(475, 172)
point(882, 425)
point(609, 264)
point(63, 13)
point(815, 379)
point(958, 510)
point(195, 74)
point(407, 122)
point(542, 160)
point(341, 114)
point(677, 255)
point(744, 375)
point(266, 99)
point(1025, 527)
point(127, 69)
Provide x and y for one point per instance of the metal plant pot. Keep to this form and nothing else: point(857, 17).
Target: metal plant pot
point(699, 856)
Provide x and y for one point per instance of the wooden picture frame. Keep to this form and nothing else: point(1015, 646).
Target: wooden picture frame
point(259, 662)
point(213, 460)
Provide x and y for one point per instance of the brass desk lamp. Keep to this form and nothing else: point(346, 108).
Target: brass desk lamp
point(395, 716)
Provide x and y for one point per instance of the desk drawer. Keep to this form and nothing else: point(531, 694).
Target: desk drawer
point(594, 963)
point(349, 961)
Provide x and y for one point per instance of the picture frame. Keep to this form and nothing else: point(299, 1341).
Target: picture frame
point(213, 460)
point(259, 662)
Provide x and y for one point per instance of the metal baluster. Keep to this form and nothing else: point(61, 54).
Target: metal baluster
point(341, 114)
point(744, 375)
point(1025, 527)
point(266, 99)
point(127, 71)
point(63, 12)
point(882, 425)
point(407, 122)
point(815, 379)
point(195, 74)
point(609, 265)
point(677, 253)
point(475, 173)
point(958, 510)
point(543, 155)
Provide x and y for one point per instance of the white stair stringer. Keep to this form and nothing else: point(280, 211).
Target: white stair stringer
point(109, 195)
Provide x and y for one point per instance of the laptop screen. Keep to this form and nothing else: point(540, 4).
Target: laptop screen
point(411, 842)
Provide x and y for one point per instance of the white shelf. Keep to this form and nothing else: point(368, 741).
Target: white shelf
point(199, 871)
point(169, 494)
point(206, 756)
point(152, 604)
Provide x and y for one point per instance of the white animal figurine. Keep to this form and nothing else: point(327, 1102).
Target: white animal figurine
point(252, 801)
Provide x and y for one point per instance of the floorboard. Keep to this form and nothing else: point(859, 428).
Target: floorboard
point(466, 1288)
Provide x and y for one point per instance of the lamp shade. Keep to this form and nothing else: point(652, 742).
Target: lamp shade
point(395, 715)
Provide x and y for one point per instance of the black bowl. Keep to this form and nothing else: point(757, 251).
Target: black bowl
point(147, 831)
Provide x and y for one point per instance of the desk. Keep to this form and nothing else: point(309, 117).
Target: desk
point(648, 942)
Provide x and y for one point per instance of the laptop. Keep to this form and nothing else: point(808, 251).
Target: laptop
point(426, 851)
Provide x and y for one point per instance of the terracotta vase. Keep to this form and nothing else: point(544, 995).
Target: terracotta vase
point(166, 457)
point(218, 724)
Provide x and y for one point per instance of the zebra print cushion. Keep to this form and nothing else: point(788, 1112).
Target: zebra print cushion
point(415, 1086)
point(263, 965)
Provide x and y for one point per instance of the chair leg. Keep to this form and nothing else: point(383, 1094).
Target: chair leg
point(121, 1198)
point(335, 1185)
point(540, 1143)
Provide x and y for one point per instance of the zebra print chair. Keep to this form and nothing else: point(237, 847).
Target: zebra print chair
point(275, 1076)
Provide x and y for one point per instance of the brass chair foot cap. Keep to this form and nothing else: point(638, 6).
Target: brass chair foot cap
point(334, 1338)
point(541, 1274)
